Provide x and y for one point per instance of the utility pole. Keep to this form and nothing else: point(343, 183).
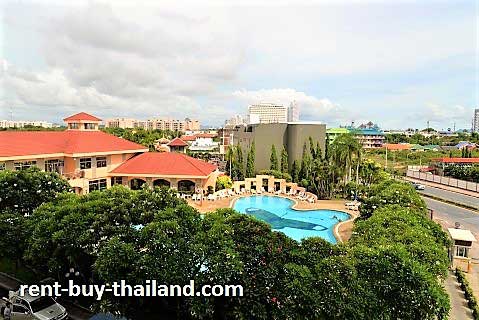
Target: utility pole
point(386, 158)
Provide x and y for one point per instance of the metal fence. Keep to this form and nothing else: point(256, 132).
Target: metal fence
point(448, 181)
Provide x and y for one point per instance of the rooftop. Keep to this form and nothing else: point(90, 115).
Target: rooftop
point(461, 234)
point(26, 143)
point(82, 116)
point(456, 160)
point(165, 164)
point(177, 142)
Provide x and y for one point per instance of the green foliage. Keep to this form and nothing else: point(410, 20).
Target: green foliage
point(295, 171)
point(277, 174)
point(273, 159)
point(468, 293)
point(469, 173)
point(284, 161)
point(392, 192)
point(223, 182)
point(238, 164)
point(142, 136)
point(250, 169)
point(22, 191)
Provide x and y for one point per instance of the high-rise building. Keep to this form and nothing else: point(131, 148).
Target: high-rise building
point(268, 113)
point(475, 121)
point(293, 112)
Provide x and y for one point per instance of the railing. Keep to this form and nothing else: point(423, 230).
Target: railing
point(74, 175)
point(447, 181)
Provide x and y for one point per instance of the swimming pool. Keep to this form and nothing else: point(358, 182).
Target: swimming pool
point(297, 224)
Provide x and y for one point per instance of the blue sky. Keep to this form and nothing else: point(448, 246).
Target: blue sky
point(397, 63)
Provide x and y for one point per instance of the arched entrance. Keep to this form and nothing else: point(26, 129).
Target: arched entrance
point(186, 186)
point(161, 183)
point(136, 184)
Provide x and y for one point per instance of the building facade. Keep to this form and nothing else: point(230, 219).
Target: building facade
point(22, 124)
point(88, 158)
point(293, 112)
point(292, 136)
point(155, 124)
point(267, 113)
point(475, 121)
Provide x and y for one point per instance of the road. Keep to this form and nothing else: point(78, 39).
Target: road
point(452, 196)
point(450, 214)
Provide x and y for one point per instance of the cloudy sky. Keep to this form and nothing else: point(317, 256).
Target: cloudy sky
point(397, 63)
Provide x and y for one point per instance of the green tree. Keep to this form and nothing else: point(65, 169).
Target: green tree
point(343, 151)
point(223, 182)
point(22, 191)
point(284, 161)
point(295, 171)
point(250, 169)
point(273, 159)
point(238, 164)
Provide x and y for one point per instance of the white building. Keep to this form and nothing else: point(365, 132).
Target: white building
point(236, 120)
point(475, 121)
point(293, 112)
point(268, 113)
point(21, 124)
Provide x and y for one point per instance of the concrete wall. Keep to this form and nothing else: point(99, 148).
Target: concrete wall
point(292, 136)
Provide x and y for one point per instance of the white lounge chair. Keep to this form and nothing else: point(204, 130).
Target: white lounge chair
point(193, 197)
point(230, 192)
point(253, 191)
point(312, 199)
point(243, 190)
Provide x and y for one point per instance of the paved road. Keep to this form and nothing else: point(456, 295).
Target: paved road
point(468, 219)
point(452, 196)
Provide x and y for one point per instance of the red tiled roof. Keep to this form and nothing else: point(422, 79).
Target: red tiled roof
point(23, 143)
point(457, 160)
point(188, 138)
point(177, 142)
point(397, 146)
point(82, 116)
point(206, 135)
point(165, 163)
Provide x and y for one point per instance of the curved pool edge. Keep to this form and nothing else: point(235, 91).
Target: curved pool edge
point(353, 215)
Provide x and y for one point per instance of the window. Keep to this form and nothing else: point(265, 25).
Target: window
point(99, 184)
point(2, 166)
point(101, 162)
point(74, 125)
point(116, 180)
point(55, 165)
point(89, 126)
point(461, 252)
point(24, 165)
point(85, 163)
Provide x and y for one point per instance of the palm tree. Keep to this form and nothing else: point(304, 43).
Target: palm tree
point(343, 150)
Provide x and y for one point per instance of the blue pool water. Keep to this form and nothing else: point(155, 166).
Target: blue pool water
point(297, 224)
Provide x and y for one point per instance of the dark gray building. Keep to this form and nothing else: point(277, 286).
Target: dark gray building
point(291, 135)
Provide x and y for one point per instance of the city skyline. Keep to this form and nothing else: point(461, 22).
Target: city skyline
point(392, 64)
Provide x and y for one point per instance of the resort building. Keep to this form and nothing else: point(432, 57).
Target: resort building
point(292, 136)
point(155, 124)
point(439, 164)
point(88, 158)
point(369, 135)
point(267, 113)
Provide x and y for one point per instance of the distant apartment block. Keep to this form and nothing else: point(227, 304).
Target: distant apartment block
point(475, 121)
point(369, 135)
point(267, 113)
point(155, 124)
point(236, 120)
point(22, 124)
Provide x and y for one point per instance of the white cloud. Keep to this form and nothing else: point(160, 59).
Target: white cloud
point(312, 108)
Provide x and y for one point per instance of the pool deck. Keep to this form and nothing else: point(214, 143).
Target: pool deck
point(342, 230)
